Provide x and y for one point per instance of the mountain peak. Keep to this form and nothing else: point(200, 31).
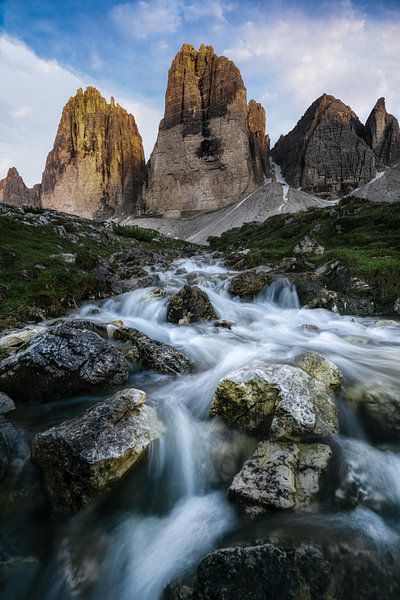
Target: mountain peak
point(382, 133)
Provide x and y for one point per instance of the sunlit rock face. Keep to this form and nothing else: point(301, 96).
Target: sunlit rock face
point(14, 191)
point(96, 166)
point(382, 134)
point(211, 148)
point(326, 153)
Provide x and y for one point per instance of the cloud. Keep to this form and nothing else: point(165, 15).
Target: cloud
point(27, 131)
point(144, 18)
point(297, 58)
point(147, 18)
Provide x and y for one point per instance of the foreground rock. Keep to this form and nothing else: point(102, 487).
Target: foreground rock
point(378, 404)
point(280, 475)
point(281, 401)
point(322, 369)
point(86, 455)
point(211, 147)
point(248, 284)
point(16, 340)
point(286, 571)
point(189, 305)
point(62, 362)
point(152, 354)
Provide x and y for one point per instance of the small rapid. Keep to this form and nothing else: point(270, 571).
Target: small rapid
point(168, 516)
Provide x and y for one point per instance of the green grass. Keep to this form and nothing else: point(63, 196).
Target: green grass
point(362, 234)
point(30, 278)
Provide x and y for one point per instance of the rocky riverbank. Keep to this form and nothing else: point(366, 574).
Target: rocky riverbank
point(199, 435)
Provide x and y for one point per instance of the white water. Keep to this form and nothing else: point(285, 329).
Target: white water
point(191, 466)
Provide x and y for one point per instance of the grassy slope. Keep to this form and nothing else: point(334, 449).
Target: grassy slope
point(30, 278)
point(363, 235)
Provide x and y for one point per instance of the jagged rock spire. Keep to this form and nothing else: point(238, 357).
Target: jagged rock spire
point(382, 134)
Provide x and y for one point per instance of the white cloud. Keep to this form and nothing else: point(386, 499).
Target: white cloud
point(20, 113)
point(45, 86)
point(147, 18)
point(298, 58)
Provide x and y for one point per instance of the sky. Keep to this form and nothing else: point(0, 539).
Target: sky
point(289, 53)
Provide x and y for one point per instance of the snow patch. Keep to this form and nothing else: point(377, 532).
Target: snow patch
point(280, 179)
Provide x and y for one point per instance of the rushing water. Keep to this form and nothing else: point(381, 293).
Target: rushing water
point(167, 514)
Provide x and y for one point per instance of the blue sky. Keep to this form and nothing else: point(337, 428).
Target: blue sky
point(288, 52)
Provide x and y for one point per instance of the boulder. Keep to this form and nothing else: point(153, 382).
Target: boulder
point(322, 369)
point(152, 354)
point(15, 340)
point(84, 456)
point(378, 404)
point(281, 401)
point(280, 475)
point(284, 570)
point(6, 404)
point(248, 284)
point(189, 305)
point(61, 362)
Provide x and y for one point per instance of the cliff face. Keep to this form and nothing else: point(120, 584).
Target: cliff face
point(96, 166)
point(382, 134)
point(326, 153)
point(211, 147)
point(14, 191)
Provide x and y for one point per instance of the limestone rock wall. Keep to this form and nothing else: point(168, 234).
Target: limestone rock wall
point(96, 167)
point(14, 191)
point(326, 153)
point(211, 147)
point(382, 134)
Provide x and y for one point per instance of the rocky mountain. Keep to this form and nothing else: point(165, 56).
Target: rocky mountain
point(382, 134)
point(96, 166)
point(211, 147)
point(14, 191)
point(326, 153)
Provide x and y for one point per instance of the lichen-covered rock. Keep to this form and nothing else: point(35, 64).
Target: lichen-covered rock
point(189, 305)
point(284, 570)
point(211, 147)
point(322, 369)
point(84, 456)
point(14, 341)
point(281, 401)
point(14, 191)
point(326, 153)
point(382, 134)
point(280, 475)
point(379, 404)
point(249, 283)
point(61, 362)
point(153, 354)
point(96, 167)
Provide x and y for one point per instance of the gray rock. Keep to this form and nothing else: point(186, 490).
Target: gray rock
point(6, 404)
point(189, 305)
point(308, 246)
point(382, 134)
point(379, 404)
point(322, 369)
point(281, 401)
point(249, 283)
point(151, 353)
point(86, 455)
point(284, 570)
point(62, 362)
point(15, 340)
point(280, 475)
point(326, 154)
